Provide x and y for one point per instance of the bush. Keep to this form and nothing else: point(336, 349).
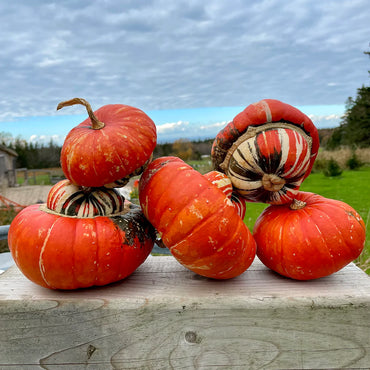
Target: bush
point(353, 163)
point(319, 165)
point(332, 169)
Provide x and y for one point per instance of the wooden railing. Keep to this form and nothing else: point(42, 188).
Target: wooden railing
point(164, 316)
point(31, 174)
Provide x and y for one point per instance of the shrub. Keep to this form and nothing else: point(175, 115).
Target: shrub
point(353, 163)
point(332, 169)
point(319, 165)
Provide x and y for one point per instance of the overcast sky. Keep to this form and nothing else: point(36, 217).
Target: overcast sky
point(166, 54)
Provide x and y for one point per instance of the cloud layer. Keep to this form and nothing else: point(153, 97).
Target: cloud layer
point(163, 54)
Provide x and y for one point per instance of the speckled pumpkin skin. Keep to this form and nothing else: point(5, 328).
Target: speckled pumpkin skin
point(110, 155)
point(223, 182)
point(196, 220)
point(63, 252)
point(312, 242)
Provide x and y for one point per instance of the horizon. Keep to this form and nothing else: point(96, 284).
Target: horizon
point(172, 124)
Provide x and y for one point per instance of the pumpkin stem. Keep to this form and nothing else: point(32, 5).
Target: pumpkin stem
point(95, 123)
point(272, 182)
point(297, 204)
point(160, 243)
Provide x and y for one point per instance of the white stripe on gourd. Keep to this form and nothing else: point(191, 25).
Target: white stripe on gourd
point(68, 199)
point(248, 172)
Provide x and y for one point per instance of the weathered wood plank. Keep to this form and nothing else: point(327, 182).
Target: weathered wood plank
point(166, 317)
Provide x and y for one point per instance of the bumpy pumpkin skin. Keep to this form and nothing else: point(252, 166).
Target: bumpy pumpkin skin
point(312, 242)
point(109, 156)
point(223, 182)
point(267, 151)
point(195, 219)
point(63, 252)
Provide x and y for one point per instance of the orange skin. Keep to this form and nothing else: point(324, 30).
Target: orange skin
point(196, 220)
point(61, 252)
point(97, 157)
point(312, 242)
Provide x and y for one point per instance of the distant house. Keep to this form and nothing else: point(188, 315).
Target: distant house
point(8, 159)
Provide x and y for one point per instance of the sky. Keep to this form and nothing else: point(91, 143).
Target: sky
point(190, 65)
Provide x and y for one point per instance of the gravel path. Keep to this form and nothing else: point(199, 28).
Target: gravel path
point(26, 195)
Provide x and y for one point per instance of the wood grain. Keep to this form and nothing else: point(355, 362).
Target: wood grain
point(166, 317)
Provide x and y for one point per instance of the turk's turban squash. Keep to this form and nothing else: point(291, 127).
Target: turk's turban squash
point(80, 238)
point(267, 151)
point(115, 143)
point(224, 183)
point(311, 238)
point(195, 219)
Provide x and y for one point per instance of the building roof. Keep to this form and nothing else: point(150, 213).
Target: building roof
point(7, 150)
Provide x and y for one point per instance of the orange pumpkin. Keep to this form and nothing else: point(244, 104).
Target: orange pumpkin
point(267, 151)
point(80, 238)
point(224, 183)
point(195, 219)
point(115, 143)
point(310, 238)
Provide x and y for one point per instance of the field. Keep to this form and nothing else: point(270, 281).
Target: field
point(39, 176)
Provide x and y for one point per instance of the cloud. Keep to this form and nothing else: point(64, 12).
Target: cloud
point(46, 139)
point(214, 126)
point(173, 127)
point(326, 121)
point(161, 54)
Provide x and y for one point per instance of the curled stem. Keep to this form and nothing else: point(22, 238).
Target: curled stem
point(95, 123)
point(272, 182)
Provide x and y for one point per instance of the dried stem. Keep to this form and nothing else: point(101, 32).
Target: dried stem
point(95, 123)
point(297, 204)
point(272, 182)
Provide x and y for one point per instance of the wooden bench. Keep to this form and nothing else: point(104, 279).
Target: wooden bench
point(166, 317)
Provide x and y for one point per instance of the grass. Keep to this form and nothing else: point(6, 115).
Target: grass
point(352, 187)
point(6, 218)
point(40, 177)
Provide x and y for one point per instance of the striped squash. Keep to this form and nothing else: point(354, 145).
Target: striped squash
point(77, 240)
point(267, 151)
point(68, 199)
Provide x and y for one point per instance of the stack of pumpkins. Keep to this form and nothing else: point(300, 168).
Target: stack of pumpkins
point(88, 235)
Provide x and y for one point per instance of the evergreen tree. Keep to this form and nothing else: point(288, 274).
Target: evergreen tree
point(354, 129)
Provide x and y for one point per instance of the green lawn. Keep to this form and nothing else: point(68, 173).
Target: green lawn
point(352, 187)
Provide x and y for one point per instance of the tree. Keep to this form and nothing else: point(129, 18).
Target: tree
point(183, 149)
point(356, 122)
point(354, 129)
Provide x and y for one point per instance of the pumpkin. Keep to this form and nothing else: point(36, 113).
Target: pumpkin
point(68, 199)
point(224, 183)
point(267, 151)
point(311, 238)
point(80, 238)
point(108, 148)
point(196, 221)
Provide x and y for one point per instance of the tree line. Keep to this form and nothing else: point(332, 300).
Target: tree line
point(35, 155)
